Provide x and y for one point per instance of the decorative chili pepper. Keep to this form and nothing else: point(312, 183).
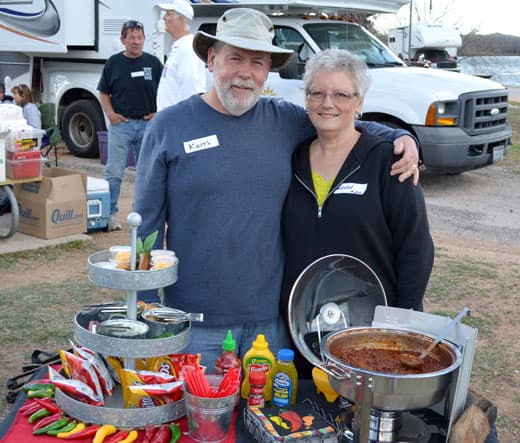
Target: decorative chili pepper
point(149, 433)
point(31, 409)
point(55, 425)
point(28, 404)
point(40, 413)
point(163, 435)
point(46, 421)
point(103, 432)
point(175, 431)
point(79, 427)
point(132, 436)
point(68, 427)
point(38, 386)
point(40, 393)
point(89, 431)
point(48, 404)
point(117, 437)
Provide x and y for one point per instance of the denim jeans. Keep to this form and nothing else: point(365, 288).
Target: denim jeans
point(208, 340)
point(121, 138)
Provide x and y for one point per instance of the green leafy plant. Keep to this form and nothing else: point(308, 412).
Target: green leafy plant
point(147, 245)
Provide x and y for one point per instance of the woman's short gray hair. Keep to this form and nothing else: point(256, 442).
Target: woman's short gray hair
point(338, 60)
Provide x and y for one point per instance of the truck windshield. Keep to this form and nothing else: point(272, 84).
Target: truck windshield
point(349, 36)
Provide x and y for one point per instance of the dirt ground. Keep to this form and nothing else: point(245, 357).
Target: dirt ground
point(74, 263)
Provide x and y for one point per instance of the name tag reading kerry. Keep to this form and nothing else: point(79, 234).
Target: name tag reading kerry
point(351, 188)
point(201, 143)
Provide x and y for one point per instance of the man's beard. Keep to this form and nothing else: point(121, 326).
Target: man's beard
point(236, 103)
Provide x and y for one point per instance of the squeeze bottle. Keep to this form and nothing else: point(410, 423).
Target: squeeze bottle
point(285, 379)
point(228, 359)
point(260, 357)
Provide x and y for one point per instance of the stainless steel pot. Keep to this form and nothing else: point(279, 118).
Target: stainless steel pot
point(388, 392)
point(165, 322)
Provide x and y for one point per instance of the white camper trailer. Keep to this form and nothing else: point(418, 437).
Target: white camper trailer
point(431, 45)
point(460, 121)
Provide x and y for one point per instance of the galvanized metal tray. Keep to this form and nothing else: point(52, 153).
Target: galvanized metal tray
point(127, 347)
point(128, 280)
point(114, 413)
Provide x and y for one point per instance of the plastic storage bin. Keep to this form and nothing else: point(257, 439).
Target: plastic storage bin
point(24, 168)
point(98, 203)
point(25, 139)
point(103, 150)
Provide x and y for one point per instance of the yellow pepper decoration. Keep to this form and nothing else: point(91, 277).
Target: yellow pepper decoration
point(103, 432)
point(79, 427)
point(132, 436)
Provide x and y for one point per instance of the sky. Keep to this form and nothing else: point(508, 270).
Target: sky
point(486, 16)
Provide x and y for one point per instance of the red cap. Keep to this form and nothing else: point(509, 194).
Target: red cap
point(257, 377)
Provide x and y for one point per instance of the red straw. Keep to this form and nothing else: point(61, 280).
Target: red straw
point(198, 384)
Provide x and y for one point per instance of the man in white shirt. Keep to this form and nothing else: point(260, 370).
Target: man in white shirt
point(184, 74)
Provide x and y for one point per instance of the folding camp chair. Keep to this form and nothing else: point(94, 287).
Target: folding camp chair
point(53, 133)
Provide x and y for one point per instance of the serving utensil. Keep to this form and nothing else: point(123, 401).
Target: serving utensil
point(414, 361)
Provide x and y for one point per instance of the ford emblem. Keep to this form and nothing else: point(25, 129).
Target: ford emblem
point(494, 111)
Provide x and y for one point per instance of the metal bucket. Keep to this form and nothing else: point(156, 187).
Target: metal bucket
point(165, 322)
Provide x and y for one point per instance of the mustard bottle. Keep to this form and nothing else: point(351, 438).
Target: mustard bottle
point(258, 357)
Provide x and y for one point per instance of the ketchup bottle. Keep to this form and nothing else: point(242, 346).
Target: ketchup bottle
point(228, 358)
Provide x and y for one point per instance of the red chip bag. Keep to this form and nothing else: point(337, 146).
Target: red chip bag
point(75, 388)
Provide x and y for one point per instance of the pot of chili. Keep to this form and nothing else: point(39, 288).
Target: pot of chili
point(365, 359)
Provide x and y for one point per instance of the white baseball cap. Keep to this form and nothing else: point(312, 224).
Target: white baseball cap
point(180, 6)
point(244, 28)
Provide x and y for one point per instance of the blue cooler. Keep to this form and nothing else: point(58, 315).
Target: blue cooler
point(98, 203)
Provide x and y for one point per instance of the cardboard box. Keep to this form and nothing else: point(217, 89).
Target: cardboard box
point(54, 207)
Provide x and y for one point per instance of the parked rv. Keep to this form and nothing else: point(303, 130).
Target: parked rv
point(430, 45)
point(460, 121)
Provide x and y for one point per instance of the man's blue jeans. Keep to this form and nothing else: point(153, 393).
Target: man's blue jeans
point(121, 138)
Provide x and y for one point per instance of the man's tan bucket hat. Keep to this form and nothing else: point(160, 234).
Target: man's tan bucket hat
point(244, 28)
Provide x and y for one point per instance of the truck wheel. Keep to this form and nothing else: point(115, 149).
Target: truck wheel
point(81, 122)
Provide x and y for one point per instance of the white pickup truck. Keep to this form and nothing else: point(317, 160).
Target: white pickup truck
point(459, 120)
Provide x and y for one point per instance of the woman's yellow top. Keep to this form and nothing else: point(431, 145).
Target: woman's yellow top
point(321, 187)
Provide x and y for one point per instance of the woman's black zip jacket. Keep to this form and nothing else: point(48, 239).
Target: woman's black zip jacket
point(367, 214)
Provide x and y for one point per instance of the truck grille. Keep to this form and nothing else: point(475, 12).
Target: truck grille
point(446, 64)
point(484, 112)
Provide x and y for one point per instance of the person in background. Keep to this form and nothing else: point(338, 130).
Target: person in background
point(184, 74)
point(127, 91)
point(342, 200)
point(4, 98)
point(214, 170)
point(22, 96)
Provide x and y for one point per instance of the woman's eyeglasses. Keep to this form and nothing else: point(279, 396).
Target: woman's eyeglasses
point(337, 96)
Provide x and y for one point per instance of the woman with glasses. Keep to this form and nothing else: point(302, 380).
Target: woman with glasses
point(22, 96)
point(342, 199)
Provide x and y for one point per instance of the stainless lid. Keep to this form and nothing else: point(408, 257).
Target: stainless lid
point(334, 292)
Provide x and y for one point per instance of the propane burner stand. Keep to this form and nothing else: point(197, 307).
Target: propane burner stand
point(388, 427)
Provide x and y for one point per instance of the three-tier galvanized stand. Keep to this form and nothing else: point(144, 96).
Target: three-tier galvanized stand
point(127, 348)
